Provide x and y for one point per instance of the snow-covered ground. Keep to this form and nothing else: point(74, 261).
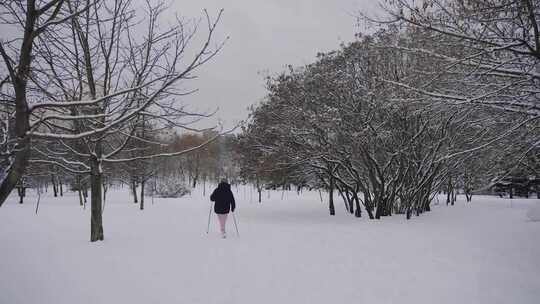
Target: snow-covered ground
point(289, 251)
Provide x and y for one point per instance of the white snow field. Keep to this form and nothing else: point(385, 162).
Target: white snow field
point(289, 251)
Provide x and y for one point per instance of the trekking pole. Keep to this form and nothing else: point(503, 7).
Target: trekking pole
point(209, 213)
point(235, 225)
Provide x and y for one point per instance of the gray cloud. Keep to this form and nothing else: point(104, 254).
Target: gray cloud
point(265, 36)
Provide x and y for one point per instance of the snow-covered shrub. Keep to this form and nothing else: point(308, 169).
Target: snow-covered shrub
point(171, 188)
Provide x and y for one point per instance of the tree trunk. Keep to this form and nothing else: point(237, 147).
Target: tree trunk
point(134, 190)
point(345, 200)
point(427, 206)
point(142, 194)
point(468, 195)
point(55, 188)
point(104, 192)
point(358, 211)
point(370, 213)
point(259, 190)
point(369, 206)
point(80, 197)
point(195, 181)
point(380, 203)
point(449, 192)
point(388, 203)
point(10, 175)
point(21, 191)
point(331, 197)
point(349, 204)
point(61, 188)
point(96, 222)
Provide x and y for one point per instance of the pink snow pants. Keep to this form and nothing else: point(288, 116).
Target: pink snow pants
point(222, 220)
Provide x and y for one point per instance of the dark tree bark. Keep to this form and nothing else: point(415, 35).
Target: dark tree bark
point(21, 190)
point(96, 222)
point(427, 202)
point(380, 208)
point(346, 202)
point(19, 78)
point(55, 187)
point(80, 195)
point(449, 192)
point(331, 197)
point(358, 211)
point(259, 190)
point(134, 191)
point(468, 195)
point(350, 203)
point(105, 188)
point(369, 206)
point(142, 194)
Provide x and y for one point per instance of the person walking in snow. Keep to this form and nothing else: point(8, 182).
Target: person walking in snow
point(224, 202)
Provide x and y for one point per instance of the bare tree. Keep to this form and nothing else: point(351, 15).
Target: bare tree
point(31, 18)
point(484, 57)
point(95, 77)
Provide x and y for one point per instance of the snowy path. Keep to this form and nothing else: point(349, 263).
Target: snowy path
point(289, 251)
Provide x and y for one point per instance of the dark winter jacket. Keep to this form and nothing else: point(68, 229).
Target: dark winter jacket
point(224, 199)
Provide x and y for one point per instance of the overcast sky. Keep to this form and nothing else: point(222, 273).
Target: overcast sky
point(265, 36)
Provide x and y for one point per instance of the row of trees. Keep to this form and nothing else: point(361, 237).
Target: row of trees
point(157, 176)
point(208, 163)
point(444, 95)
point(87, 86)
